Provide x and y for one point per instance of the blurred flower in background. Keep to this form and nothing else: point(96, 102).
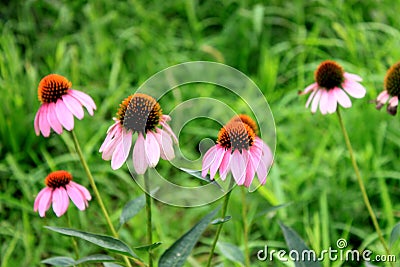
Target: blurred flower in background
point(331, 83)
point(139, 113)
point(391, 90)
point(59, 188)
point(60, 104)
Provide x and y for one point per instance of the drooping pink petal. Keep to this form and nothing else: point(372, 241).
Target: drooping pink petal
point(64, 116)
point(73, 105)
point(112, 131)
point(84, 99)
point(352, 77)
point(152, 149)
point(354, 89)
point(60, 201)
point(250, 169)
point(52, 118)
point(315, 102)
point(394, 101)
point(36, 122)
point(165, 142)
point(238, 167)
point(122, 149)
point(43, 122)
point(85, 193)
point(323, 102)
point(139, 155)
point(383, 97)
point(76, 197)
point(224, 167)
point(43, 201)
point(311, 87)
point(342, 97)
point(219, 154)
point(332, 102)
point(207, 160)
point(167, 128)
point(310, 98)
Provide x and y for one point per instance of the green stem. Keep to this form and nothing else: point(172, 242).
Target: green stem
point(361, 184)
point(219, 229)
point(96, 191)
point(74, 243)
point(245, 229)
point(149, 220)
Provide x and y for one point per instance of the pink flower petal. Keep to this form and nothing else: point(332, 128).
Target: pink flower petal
point(238, 167)
point(121, 151)
point(85, 193)
point(169, 130)
point(139, 155)
point(219, 154)
point(354, 89)
point(323, 102)
point(111, 132)
point(165, 143)
point(352, 77)
point(224, 167)
point(250, 169)
point(310, 98)
point(43, 201)
point(76, 197)
point(73, 105)
point(208, 160)
point(342, 97)
point(315, 102)
point(311, 87)
point(52, 118)
point(332, 102)
point(394, 101)
point(60, 201)
point(152, 149)
point(36, 122)
point(383, 97)
point(43, 122)
point(84, 99)
point(64, 116)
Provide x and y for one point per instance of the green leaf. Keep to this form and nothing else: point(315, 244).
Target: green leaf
point(295, 243)
point(95, 258)
point(103, 241)
point(197, 174)
point(131, 209)
point(175, 256)
point(272, 209)
point(59, 261)
point(149, 247)
point(231, 252)
point(221, 220)
point(110, 264)
point(395, 234)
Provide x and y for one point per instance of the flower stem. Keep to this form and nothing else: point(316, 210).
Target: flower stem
point(361, 184)
point(74, 243)
point(219, 229)
point(95, 190)
point(148, 212)
point(245, 229)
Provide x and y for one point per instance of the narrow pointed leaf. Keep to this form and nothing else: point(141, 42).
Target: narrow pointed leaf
point(272, 209)
point(149, 247)
point(131, 209)
point(295, 243)
point(395, 234)
point(221, 220)
point(197, 174)
point(231, 252)
point(103, 241)
point(175, 256)
point(110, 264)
point(95, 259)
point(59, 261)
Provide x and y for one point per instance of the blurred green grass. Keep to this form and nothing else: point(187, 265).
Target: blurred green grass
point(108, 48)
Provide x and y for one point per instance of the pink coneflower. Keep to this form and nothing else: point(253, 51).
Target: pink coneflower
point(142, 114)
point(59, 188)
point(60, 104)
point(239, 151)
point(330, 87)
point(392, 90)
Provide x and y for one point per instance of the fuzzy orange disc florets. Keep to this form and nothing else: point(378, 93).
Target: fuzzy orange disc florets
point(52, 87)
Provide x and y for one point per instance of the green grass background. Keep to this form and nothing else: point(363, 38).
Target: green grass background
point(108, 48)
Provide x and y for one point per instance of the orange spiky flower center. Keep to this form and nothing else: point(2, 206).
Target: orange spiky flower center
point(52, 87)
point(392, 80)
point(236, 135)
point(248, 120)
point(329, 75)
point(140, 113)
point(58, 179)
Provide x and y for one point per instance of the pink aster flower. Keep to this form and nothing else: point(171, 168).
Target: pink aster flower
point(391, 91)
point(331, 86)
point(60, 104)
point(142, 114)
point(59, 189)
point(239, 151)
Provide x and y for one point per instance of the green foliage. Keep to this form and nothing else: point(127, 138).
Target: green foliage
point(108, 48)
